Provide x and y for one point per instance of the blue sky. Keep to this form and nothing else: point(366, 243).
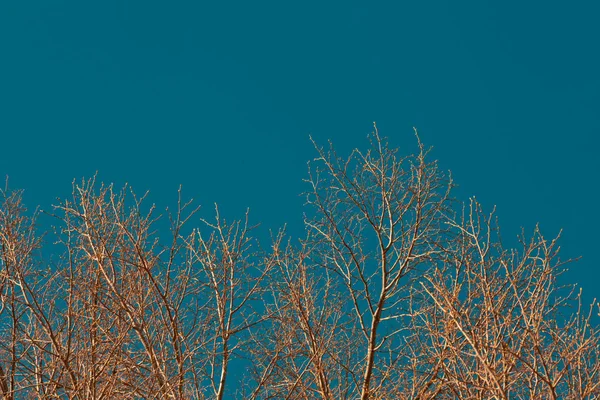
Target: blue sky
point(221, 97)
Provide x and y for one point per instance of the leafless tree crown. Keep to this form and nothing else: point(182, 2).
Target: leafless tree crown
point(395, 292)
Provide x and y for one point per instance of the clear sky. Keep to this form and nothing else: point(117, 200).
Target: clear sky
point(221, 96)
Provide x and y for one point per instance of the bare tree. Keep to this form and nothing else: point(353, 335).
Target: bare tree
point(234, 274)
point(292, 358)
point(122, 314)
point(392, 293)
point(378, 219)
point(495, 325)
point(18, 244)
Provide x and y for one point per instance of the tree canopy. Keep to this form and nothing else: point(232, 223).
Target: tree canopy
point(397, 290)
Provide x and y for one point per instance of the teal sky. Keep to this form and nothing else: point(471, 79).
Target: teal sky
point(221, 97)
